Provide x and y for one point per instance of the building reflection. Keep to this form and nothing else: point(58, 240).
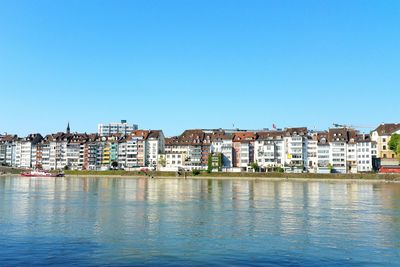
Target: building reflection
point(151, 209)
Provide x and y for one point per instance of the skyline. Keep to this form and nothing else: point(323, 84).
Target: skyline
point(362, 129)
point(179, 65)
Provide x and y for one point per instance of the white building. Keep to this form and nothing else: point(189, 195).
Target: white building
point(25, 151)
point(269, 149)
point(116, 128)
point(312, 156)
point(364, 153)
point(7, 150)
point(141, 149)
point(189, 150)
point(154, 145)
point(323, 153)
point(221, 142)
point(338, 139)
point(296, 140)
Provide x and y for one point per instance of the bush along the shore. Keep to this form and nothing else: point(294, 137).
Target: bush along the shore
point(196, 172)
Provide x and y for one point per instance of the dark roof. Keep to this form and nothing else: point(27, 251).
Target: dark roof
point(155, 134)
point(342, 134)
point(387, 128)
point(268, 135)
point(194, 137)
point(296, 131)
point(363, 138)
point(8, 138)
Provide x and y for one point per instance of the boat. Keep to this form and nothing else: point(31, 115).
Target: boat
point(41, 173)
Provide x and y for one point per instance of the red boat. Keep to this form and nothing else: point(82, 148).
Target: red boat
point(41, 174)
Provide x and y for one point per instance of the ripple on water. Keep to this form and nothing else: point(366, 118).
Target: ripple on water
point(125, 222)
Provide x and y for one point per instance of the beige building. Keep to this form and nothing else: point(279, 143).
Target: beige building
point(381, 136)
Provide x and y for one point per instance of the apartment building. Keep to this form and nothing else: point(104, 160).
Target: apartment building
point(221, 142)
point(323, 153)
point(364, 153)
point(189, 150)
point(7, 149)
point(243, 149)
point(109, 129)
point(269, 149)
point(295, 140)
point(338, 139)
point(381, 135)
point(155, 145)
point(25, 151)
point(312, 152)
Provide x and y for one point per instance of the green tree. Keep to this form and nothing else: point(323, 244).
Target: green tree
point(254, 166)
point(114, 164)
point(195, 172)
point(209, 163)
point(162, 161)
point(330, 167)
point(398, 152)
point(394, 142)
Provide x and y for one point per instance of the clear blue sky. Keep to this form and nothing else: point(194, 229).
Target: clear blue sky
point(173, 65)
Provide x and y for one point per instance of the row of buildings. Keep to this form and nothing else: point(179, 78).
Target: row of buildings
point(341, 150)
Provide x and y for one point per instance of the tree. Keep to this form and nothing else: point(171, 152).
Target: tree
point(209, 163)
point(330, 168)
point(278, 169)
point(254, 166)
point(195, 172)
point(162, 162)
point(394, 143)
point(398, 152)
point(114, 164)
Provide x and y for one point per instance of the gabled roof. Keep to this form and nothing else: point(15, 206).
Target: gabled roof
point(268, 135)
point(387, 128)
point(322, 138)
point(296, 131)
point(221, 135)
point(155, 134)
point(363, 138)
point(342, 134)
point(8, 138)
point(145, 134)
point(244, 137)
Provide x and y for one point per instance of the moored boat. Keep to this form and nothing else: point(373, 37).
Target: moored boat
point(41, 174)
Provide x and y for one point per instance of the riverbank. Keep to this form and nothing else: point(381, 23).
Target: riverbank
point(370, 177)
point(10, 171)
point(239, 175)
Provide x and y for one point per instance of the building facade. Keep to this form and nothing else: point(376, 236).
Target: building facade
point(109, 129)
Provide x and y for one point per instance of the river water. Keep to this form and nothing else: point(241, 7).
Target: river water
point(173, 222)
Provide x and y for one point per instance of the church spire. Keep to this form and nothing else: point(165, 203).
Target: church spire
point(68, 129)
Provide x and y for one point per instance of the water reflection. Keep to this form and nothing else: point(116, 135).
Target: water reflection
point(131, 221)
